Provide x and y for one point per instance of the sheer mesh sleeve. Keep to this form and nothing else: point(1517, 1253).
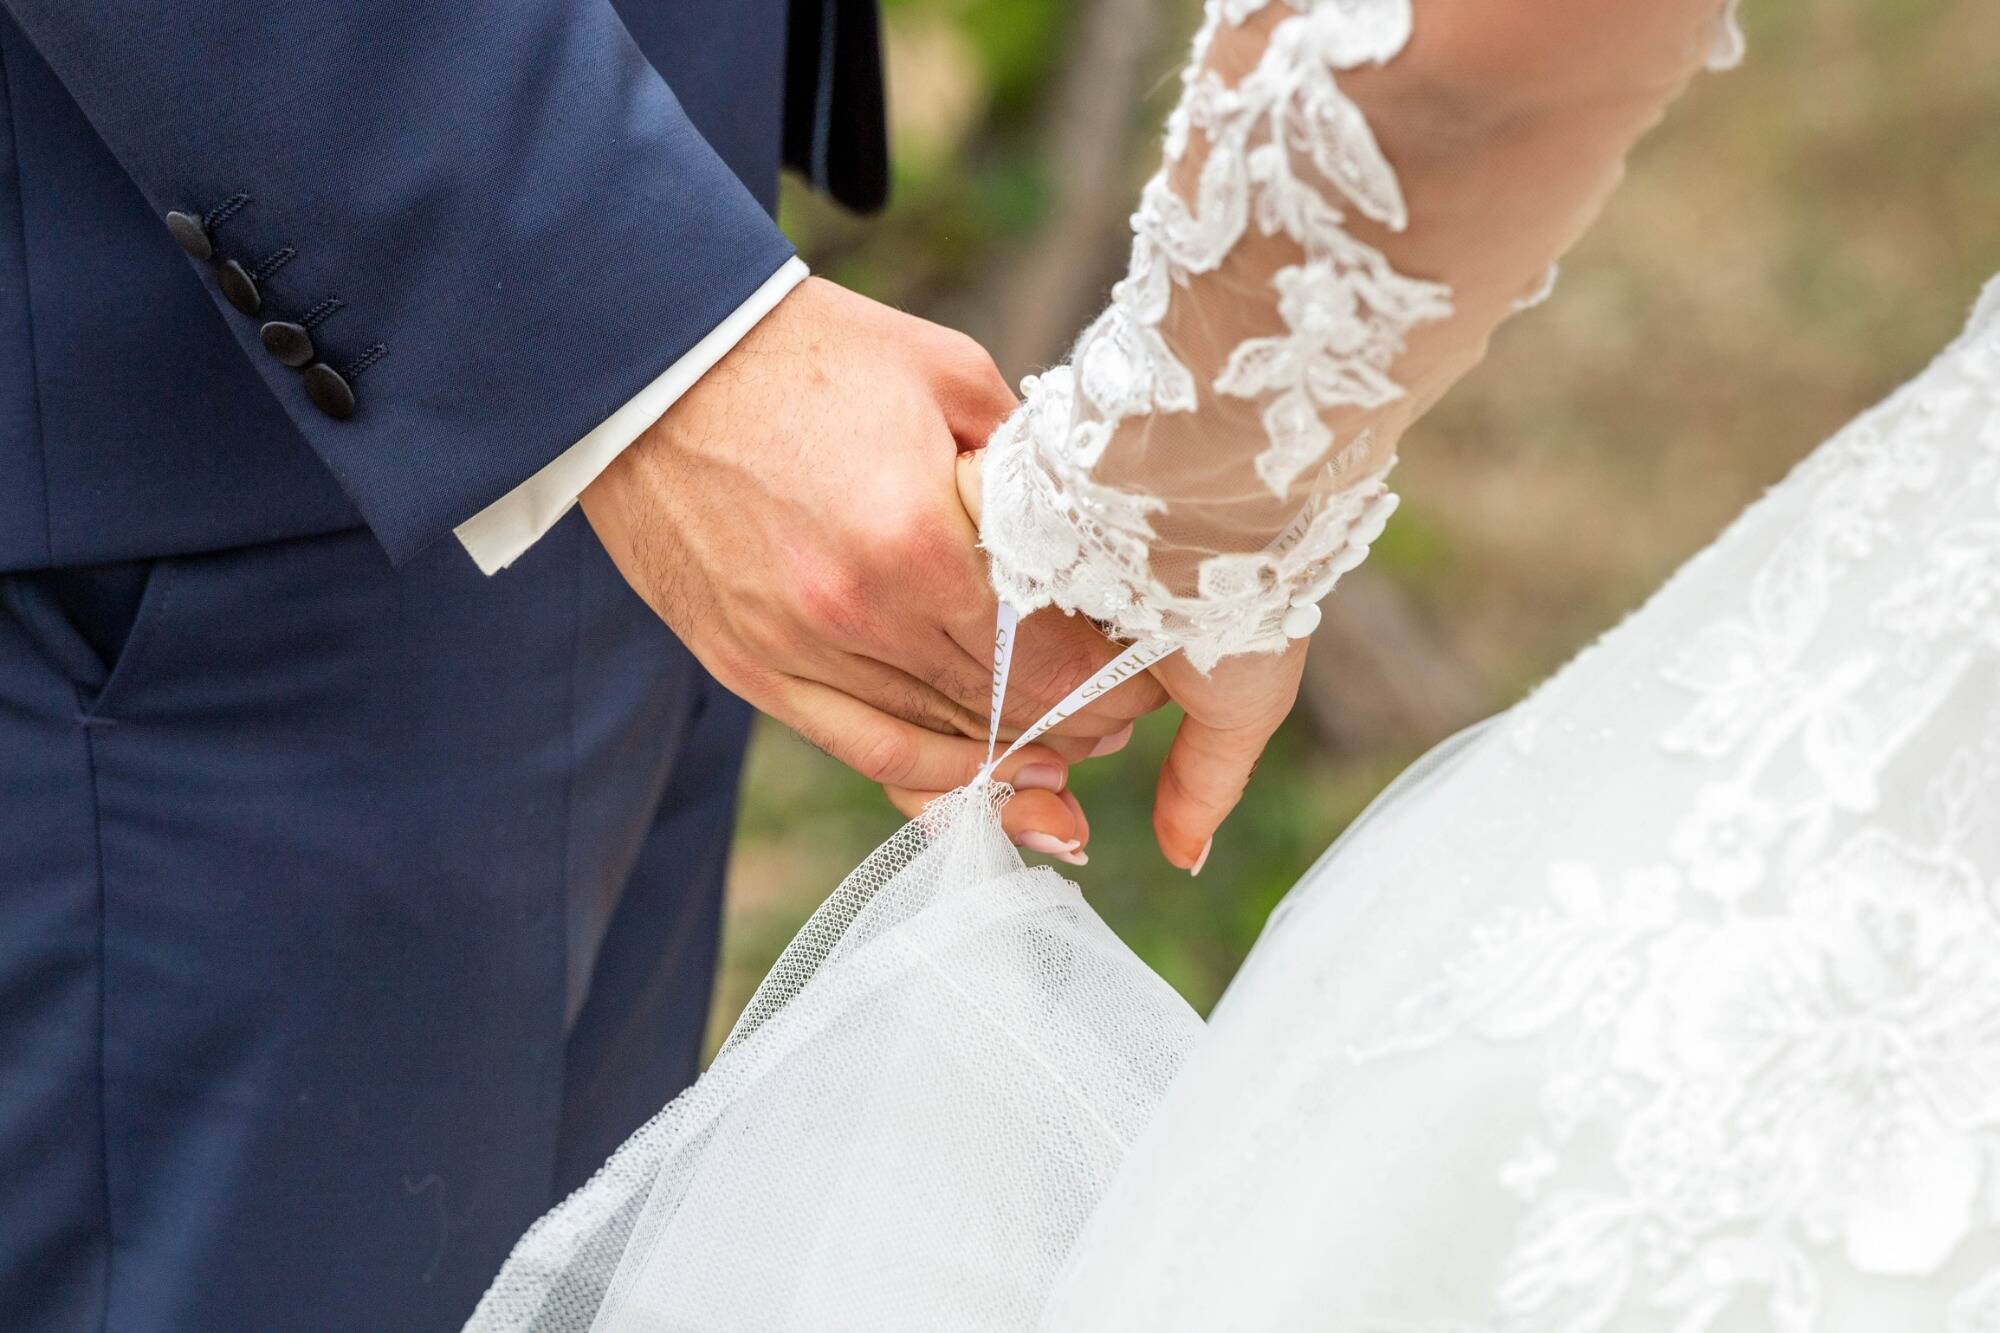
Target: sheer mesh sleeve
point(1215, 452)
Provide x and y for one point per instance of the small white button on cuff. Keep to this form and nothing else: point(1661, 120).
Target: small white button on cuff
point(1300, 621)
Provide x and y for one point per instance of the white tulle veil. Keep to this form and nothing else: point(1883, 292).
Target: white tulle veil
point(910, 1123)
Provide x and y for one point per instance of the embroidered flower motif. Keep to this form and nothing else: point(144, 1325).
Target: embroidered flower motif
point(1287, 152)
point(1785, 1064)
point(1528, 968)
point(1958, 587)
point(1724, 839)
point(1843, 1063)
point(1529, 1169)
point(1331, 355)
point(1977, 1308)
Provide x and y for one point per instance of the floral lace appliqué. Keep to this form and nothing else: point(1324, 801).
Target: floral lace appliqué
point(1286, 154)
point(1773, 1043)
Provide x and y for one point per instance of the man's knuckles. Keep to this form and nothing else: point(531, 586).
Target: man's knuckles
point(886, 755)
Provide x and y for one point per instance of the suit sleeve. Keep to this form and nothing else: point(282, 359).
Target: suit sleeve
point(454, 238)
point(501, 533)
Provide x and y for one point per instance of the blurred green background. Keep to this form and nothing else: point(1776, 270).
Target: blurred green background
point(1799, 237)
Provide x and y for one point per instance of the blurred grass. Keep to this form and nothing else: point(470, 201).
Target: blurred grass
point(1799, 237)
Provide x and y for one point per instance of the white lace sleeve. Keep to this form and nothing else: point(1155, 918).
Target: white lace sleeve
point(1214, 455)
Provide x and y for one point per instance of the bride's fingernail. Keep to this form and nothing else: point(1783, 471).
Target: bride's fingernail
point(1202, 860)
point(1038, 777)
point(1113, 743)
point(1063, 849)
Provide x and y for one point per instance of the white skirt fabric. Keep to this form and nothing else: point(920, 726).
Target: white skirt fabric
point(1671, 1000)
point(1668, 1001)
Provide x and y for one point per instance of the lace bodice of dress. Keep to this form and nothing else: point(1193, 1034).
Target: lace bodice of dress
point(1214, 455)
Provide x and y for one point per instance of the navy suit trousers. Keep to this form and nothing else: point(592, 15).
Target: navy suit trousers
point(349, 916)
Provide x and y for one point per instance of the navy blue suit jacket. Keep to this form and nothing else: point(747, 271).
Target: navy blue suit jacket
point(500, 220)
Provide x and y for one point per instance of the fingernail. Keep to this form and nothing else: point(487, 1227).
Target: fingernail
point(1038, 777)
point(1049, 845)
point(1113, 743)
point(1202, 860)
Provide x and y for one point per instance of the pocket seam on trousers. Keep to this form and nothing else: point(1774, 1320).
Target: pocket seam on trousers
point(152, 607)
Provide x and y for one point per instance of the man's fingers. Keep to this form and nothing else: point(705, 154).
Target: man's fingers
point(880, 747)
point(887, 750)
point(1201, 782)
point(971, 390)
point(956, 673)
point(925, 677)
point(958, 703)
point(901, 695)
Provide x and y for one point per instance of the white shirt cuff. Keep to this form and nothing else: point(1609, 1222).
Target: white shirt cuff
point(501, 533)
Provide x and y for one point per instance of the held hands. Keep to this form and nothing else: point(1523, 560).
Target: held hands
point(795, 519)
point(1228, 716)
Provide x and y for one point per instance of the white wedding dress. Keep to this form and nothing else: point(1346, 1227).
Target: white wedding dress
point(1669, 1000)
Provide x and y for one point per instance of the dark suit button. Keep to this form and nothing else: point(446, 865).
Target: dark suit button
point(329, 391)
point(190, 235)
point(289, 342)
point(240, 287)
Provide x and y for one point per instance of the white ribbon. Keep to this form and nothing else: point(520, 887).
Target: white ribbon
point(1003, 659)
point(1110, 676)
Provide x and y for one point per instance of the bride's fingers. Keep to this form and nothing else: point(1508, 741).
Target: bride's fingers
point(1229, 714)
point(1082, 825)
point(1047, 822)
point(1206, 771)
point(970, 493)
point(1043, 816)
point(1038, 825)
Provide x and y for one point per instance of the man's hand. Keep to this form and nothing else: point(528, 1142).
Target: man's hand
point(794, 518)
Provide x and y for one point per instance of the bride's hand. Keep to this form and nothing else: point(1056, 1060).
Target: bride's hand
point(1229, 716)
point(1049, 822)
